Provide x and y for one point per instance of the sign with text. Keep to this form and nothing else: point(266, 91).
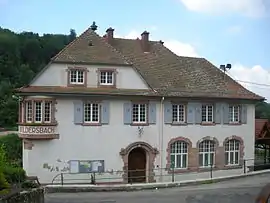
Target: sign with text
point(87, 166)
point(37, 130)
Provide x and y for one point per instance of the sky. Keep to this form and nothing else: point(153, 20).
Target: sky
point(222, 31)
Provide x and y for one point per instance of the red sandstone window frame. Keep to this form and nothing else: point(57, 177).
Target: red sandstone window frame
point(231, 152)
point(25, 118)
point(77, 69)
point(101, 71)
point(175, 151)
point(207, 151)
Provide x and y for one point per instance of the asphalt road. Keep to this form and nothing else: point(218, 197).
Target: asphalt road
point(239, 191)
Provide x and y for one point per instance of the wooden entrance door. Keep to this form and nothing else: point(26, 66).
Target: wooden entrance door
point(137, 166)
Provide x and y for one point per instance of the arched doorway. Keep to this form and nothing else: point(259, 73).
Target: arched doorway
point(137, 165)
point(149, 156)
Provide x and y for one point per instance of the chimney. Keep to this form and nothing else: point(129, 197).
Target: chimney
point(109, 32)
point(145, 41)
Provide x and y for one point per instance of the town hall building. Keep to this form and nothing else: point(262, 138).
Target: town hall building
point(130, 110)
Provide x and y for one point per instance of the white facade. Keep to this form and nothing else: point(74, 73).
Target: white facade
point(47, 158)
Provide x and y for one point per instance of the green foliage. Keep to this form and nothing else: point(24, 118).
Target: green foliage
point(13, 149)
point(3, 182)
point(14, 174)
point(22, 55)
point(262, 110)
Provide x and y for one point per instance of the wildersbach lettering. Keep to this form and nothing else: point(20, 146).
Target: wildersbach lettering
point(36, 130)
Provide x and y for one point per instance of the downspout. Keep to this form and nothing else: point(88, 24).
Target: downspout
point(161, 137)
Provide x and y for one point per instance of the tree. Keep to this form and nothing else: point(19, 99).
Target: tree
point(22, 56)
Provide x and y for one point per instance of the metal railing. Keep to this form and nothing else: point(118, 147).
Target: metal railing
point(160, 174)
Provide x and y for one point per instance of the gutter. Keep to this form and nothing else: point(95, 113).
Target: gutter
point(161, 135)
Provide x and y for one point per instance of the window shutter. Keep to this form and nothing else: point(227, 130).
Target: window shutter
point(167, 112)
point(105, 112)
point(127, 113)
point(78, 112)
point(191, 113)
point(226, 114)
point(218, 113)
point(244, 114)
point(152, 113)
point(198, 112)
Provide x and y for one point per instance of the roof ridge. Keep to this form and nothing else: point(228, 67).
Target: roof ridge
point(70, 44)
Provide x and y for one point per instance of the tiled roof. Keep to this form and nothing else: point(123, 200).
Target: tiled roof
point(164, 71)
point(89, 47)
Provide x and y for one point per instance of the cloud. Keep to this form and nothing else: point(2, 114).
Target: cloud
point(179, 48)
point(251, 8)
point(256, 78)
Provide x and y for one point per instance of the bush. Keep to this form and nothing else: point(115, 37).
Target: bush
point(13, 148)
point(14, 174)
point(3, 182)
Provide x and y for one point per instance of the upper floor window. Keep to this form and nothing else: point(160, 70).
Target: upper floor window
point(207, 113)
point(91, 112)
point(234, 113)
point(106, 78)
point(179, 154)
point(76, 77)
point(38, 111)
point(139, 113)
point(178, 113)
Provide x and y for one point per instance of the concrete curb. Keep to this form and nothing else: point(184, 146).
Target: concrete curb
point(147, 186)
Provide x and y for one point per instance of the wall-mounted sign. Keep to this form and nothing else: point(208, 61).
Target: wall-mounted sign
point(86, 166)
point(35, 130)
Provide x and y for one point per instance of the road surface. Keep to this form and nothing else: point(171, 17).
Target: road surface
point(239, 191)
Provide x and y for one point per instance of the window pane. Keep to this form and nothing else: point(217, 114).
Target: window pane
point(206, 159)
point(29, 111)
point(73, 76)
point(80, 76)
point(178, 161)
point(212, 159)
point(172, 161)
point(184, 160)
point(47, 112)
point(236, 158)
point(38, 111)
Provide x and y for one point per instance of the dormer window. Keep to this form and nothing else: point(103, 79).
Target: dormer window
point(77, 76)
point(106, 78)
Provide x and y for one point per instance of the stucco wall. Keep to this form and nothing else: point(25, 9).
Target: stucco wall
point(105, 142)
point(57, 75)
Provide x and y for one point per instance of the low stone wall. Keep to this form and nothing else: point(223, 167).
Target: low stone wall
point(32, 196)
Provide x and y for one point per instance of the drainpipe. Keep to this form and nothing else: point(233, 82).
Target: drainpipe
point(161, 136)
